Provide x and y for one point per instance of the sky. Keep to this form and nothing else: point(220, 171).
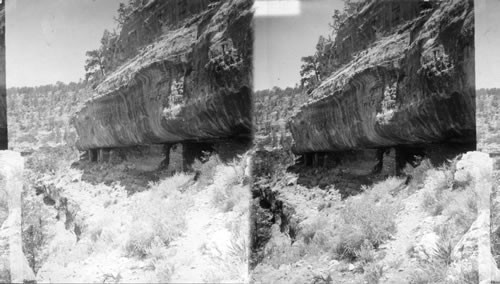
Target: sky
point(280, 41)
point(487, 43)
point(46, 40)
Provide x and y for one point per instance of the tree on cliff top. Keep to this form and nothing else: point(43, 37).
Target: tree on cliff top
point(318, 66)
point(102, 60)
point(107, 57)
point(123, 12)
point(338, 17)
point(313, 68)
point(309, 74)
point(126, 9)
point(94, 65)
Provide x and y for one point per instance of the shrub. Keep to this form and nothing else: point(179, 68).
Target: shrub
point(140, 239)
point(375, 221)
point(429, 272)
point(279, 249)
point(439, 195)
point(444, 251)
point(373, 273)
point(466, 276)
point(461, 209)
point(433, 202)
point(385, 189)
point(43, 164)
point(349, 241)
point(436, 267)
point(36, 219)
point(366, 221)
point(366, 253)
point(230, 264)
point(238, 245)
point(157, 213)
point(4, 207)
point(164, 188)
point(495, 230)
point(164, 270)
point(438, 180)
point(227, 190)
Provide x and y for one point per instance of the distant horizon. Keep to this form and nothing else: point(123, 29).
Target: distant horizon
point(45, 85)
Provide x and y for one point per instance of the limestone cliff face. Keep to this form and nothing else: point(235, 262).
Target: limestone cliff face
point(412, 84)
point(192, 83)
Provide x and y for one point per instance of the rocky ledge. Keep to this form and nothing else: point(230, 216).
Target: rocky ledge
point(193, 83)
point(412, 85)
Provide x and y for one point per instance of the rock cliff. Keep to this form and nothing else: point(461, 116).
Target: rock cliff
point(191, 83)
point(406, 76)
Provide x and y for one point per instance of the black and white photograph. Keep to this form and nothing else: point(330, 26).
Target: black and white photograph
point(250, 141)
point(365, 168)
point(131, 121)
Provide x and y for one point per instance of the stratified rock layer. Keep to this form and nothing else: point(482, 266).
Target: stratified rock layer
point(192, 83)
point(413, 85)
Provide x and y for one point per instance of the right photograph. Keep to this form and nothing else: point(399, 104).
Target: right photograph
point(366, 168)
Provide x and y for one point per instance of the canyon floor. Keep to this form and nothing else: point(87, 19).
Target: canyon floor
point(389, 232)
point(129, 222)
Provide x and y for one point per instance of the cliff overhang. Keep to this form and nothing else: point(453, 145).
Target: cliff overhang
point(193, 83)
point(413, 85)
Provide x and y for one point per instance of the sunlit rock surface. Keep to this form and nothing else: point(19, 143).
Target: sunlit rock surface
point(192, 83)
point(413, 84)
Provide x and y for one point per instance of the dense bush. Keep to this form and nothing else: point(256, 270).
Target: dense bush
point(365, 221)
point(352, 233)
point(158, 214)
point(36, 219)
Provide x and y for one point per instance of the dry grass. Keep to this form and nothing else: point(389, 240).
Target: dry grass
point(230, 265)
point(457, 202)
point(164, 270)
point(365, 221)
point(373, 273)
point(353, 232)
point(159, 213)
point(228, 189)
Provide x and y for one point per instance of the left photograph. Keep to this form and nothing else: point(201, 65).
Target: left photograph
point(129, 129)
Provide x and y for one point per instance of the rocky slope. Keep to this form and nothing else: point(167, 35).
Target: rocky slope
point(193, 82)
point(40, 116)
point(181, 228)
point(412, 84)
